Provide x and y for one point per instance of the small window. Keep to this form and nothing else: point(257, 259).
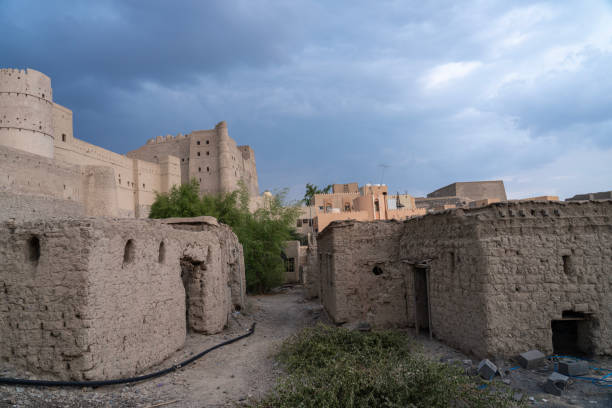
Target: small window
point(143, 186)
point(208, 153)
point(198, 142)
point(207, 168)
point(162, 253)
point(290, 265)
point(33, 249)
point(129, 252)
point(347, 207)
point(451, 257)
point(567, 265)
point(63, 137)
point(376, 206)
point(299, 223)
point(199, 169)
point(198, 153)
point(377, 271)
point(207, 142)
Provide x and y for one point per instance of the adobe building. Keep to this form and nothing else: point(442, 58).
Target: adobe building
point(464, 194)
point(45, 170)
point(350, 202)
point(98, 298)
point(490, 281)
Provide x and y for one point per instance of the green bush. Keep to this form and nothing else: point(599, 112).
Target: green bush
point(335, 367)
point(262, 233)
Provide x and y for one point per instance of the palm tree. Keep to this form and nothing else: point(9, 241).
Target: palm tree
point(311, 190)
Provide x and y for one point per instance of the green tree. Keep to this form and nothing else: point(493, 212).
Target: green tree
point(262, 233)
point(311, 190)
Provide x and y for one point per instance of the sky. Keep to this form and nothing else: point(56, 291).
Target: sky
point(413, 94)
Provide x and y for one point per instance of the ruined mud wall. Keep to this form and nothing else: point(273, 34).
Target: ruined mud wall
point(361, 276)
point(448, 243)
point(105, 297)
point(43, 301)
point(544, 259)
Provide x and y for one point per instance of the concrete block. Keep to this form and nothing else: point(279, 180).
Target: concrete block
point(486, 369)
point(574, 367)
point(556, 383)
point(531, 359)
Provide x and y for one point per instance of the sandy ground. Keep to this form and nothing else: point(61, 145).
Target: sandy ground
point(228, 376)
point(246, 370)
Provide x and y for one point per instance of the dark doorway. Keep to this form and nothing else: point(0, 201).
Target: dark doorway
point(571, 335)
point(421, 298)
point(188, 271)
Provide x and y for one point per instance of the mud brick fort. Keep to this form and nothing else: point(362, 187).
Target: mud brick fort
point(89, 289)
point(50, 172)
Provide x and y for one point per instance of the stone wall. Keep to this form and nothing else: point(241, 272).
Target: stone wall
point(96, 298)
point(495, 280)
point(361, 276)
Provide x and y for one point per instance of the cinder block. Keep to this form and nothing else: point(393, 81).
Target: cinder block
point(486, 369)
point(574, 368)
point(531, 359)
point(556, 384)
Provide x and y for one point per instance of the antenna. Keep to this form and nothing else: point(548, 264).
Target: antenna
point(384, 167)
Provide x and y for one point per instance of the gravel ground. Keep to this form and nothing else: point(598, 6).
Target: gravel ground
point(228, 376)
point(246, 370)
point(528, 383)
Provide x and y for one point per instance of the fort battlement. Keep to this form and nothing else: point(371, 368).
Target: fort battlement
point(26, 111)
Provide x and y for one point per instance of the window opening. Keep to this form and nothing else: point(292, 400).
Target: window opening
point(377, 271)
point(33, 249)
point(162, 253)
point(129, 252)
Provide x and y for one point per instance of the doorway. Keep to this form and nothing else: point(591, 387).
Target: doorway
point(571, 335)
point(188, 272)
point(421, 299)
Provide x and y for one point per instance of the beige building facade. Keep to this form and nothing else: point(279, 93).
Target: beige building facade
point(350, 202)
point(43, 159)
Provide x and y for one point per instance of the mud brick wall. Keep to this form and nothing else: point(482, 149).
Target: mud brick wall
point(361, 278)
point(106, 298)
point(457, 272)
point(544, 259)
point(43, 298)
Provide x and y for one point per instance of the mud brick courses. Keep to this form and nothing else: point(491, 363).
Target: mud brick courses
point(498, 275)
point(93, 306)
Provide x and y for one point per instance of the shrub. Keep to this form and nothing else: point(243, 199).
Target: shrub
point(335, 367)
point(262, 233)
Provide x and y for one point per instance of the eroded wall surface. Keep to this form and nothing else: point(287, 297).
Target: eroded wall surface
point(361, 276)
point(97, 298)
point(499, 277)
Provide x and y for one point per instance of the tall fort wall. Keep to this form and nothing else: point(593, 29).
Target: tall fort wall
point(104, 182)
point(210, 156)
point(26, 111)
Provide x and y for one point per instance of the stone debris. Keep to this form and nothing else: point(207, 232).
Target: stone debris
point(556, 384)
point(486, 369)
point(573, 368)
point(531, 359)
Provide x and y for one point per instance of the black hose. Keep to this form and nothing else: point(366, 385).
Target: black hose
point(45, 383)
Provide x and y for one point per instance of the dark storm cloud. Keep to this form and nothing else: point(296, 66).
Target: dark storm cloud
point(337, 91)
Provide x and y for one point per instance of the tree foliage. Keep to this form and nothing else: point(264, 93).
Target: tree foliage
point(311, 190)
point(262, 233)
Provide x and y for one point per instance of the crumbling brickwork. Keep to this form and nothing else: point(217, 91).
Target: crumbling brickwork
point(496, 280)
point(96, 298)
point(361, 278)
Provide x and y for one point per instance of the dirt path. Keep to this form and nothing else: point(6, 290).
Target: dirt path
point(225, 377)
